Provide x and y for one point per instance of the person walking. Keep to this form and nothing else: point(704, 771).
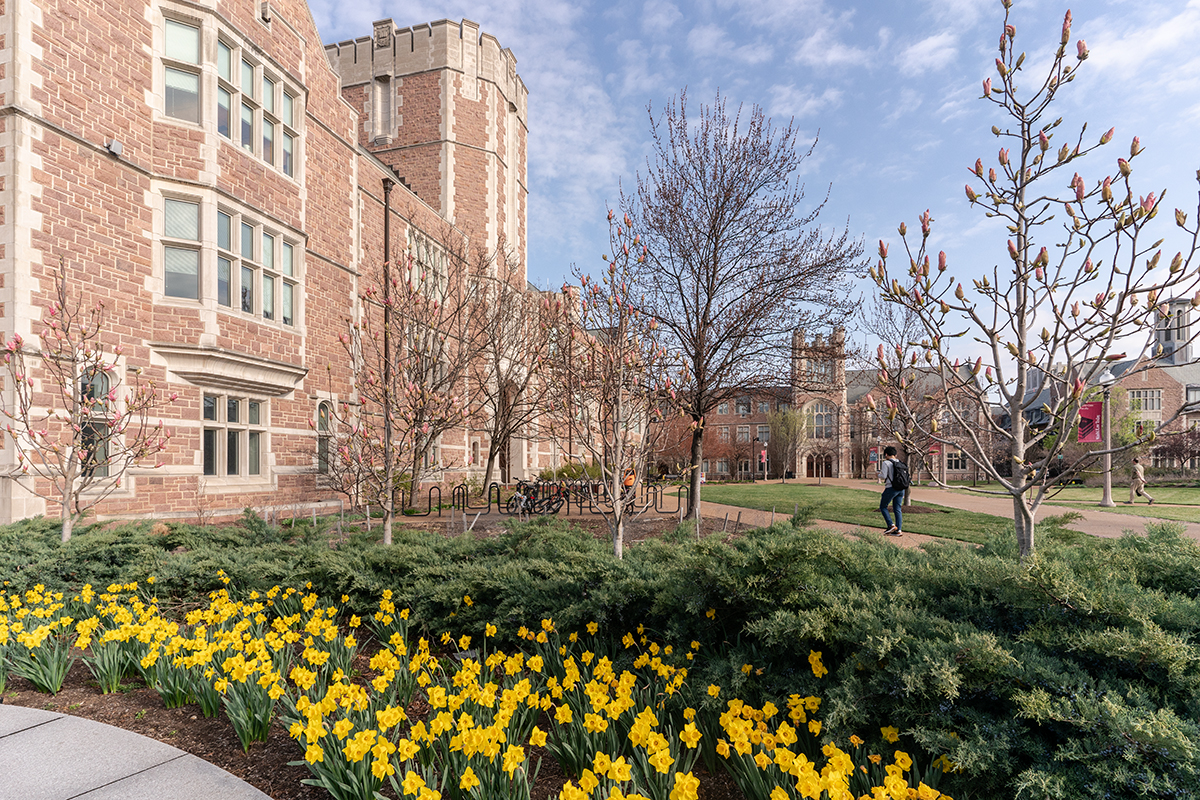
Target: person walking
point(1138, 484)
point(895, 480)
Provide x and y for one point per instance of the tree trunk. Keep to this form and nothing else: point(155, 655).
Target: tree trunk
point(693, 511)
point(1023, 520)
point(491, 469)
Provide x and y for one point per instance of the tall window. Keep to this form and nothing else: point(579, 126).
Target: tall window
point(723, 408)
point(93, 434)
point(181, 74)
point(743, 405)
point(723, 433)
point(764, 406)
point(956, 461)
point(764, 433)
point(234, 436)
point(824, 420)
point(325, 437)
point(743, 434)
point(181, 249)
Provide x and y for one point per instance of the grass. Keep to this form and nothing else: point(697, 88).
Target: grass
point(855, 507)
point(1141, 509)
point(1169, 495)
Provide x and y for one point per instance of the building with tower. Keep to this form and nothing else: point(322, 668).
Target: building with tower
point(213, 174)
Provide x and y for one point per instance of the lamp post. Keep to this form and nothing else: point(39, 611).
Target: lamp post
point(753, 459)
point(1107, 379)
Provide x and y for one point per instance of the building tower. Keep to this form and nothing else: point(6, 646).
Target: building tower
point(443, 106)
point(1175, 331)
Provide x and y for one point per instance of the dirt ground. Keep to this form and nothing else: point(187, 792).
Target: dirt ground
point(138, 708)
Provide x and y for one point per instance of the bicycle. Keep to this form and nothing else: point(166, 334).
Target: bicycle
point(527, 502)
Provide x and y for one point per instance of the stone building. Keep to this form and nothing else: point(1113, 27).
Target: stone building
point(213, 174)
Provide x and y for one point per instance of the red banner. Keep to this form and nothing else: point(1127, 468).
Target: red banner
point(1090, 415)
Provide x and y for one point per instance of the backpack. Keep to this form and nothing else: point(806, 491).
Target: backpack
point(900, 478)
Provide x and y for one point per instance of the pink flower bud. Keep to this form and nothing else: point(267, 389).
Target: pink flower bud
point(1124, 167)
point(987, 87)
point(971, 193)
point(1077, 182)
point(1039, 274)
point(1003, 156)
point(1010, 31)
point(1106, 138)
point(870, 401)
point(1081, 50)
point(1012, 250)
point(1135, 147)
point(903, 229)
point(941, 261)
point(925, 219)
point(1043, 141)
point(978, 170)
point(882, 249)
point(1147, 202)
point(988, 374)
point(1066, 27)
point(1106, 190)
point(1075, 309)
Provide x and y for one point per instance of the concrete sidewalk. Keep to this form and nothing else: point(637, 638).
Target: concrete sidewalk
point(50, 756)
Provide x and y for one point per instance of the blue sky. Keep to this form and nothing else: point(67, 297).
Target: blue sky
point(892, 86)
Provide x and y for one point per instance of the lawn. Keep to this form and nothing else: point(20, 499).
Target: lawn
point(1167, 495)
point(1141, 509)
point(855, 507)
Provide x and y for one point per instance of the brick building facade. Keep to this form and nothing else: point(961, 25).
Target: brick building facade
point(205, 171)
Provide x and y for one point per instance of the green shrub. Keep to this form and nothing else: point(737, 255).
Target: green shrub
point(1074, 674)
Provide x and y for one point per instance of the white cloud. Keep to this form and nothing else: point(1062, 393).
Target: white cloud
point(659, 17)
point(822, 48)
point(789, 101)
point(712, 42)
point(931, 54)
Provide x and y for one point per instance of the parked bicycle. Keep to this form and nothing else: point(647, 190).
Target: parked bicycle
point(532, 499)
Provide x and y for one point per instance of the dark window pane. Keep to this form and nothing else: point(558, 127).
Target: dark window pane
point(231, 410)
point(247, 290)
point(247, 127)
point(224, 113)
point(254, 413)
point(210, 407)
point(210, 451)
point(232, 460)
point(268, 297)
point(93, 440)
point(224, 270)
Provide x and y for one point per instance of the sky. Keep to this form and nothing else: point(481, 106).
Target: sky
point(890, 88)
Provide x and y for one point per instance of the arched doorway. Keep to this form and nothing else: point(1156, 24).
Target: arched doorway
point(818, 466)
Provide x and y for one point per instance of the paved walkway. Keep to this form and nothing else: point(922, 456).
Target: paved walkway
point(50, 756)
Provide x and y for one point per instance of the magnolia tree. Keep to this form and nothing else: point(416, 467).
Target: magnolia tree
point(76, 425)
point(411, 347)
point(611, 384)
point(1052, 316)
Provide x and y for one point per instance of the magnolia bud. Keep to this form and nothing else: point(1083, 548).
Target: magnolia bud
point(1106, 190)
point(1081, 50)
point(1003, 70)
point(1075, 309)
point(971, 193)
point(1177, 262)
point(1135, 147)
point(1043, 141)
point(1124, 167)
point(987, 87)
point(1003, 156)
point(941, 261)
point(1180, 218)
point(1012, 250)
point(903, 229)
point(959, 292)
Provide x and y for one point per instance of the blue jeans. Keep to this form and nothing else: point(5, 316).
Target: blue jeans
point(893, 497)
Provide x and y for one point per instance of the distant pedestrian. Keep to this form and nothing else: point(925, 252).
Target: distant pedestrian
point(894, 475)
point(1138, 484)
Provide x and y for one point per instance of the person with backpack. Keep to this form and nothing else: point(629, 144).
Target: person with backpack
point(894, 473)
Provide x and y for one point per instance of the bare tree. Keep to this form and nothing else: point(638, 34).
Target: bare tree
point(1051, 321)
point(789, 432)
point(519, 328)
point(734, 262)
point(77, 426)
point(610, 384)
point(411, 346)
